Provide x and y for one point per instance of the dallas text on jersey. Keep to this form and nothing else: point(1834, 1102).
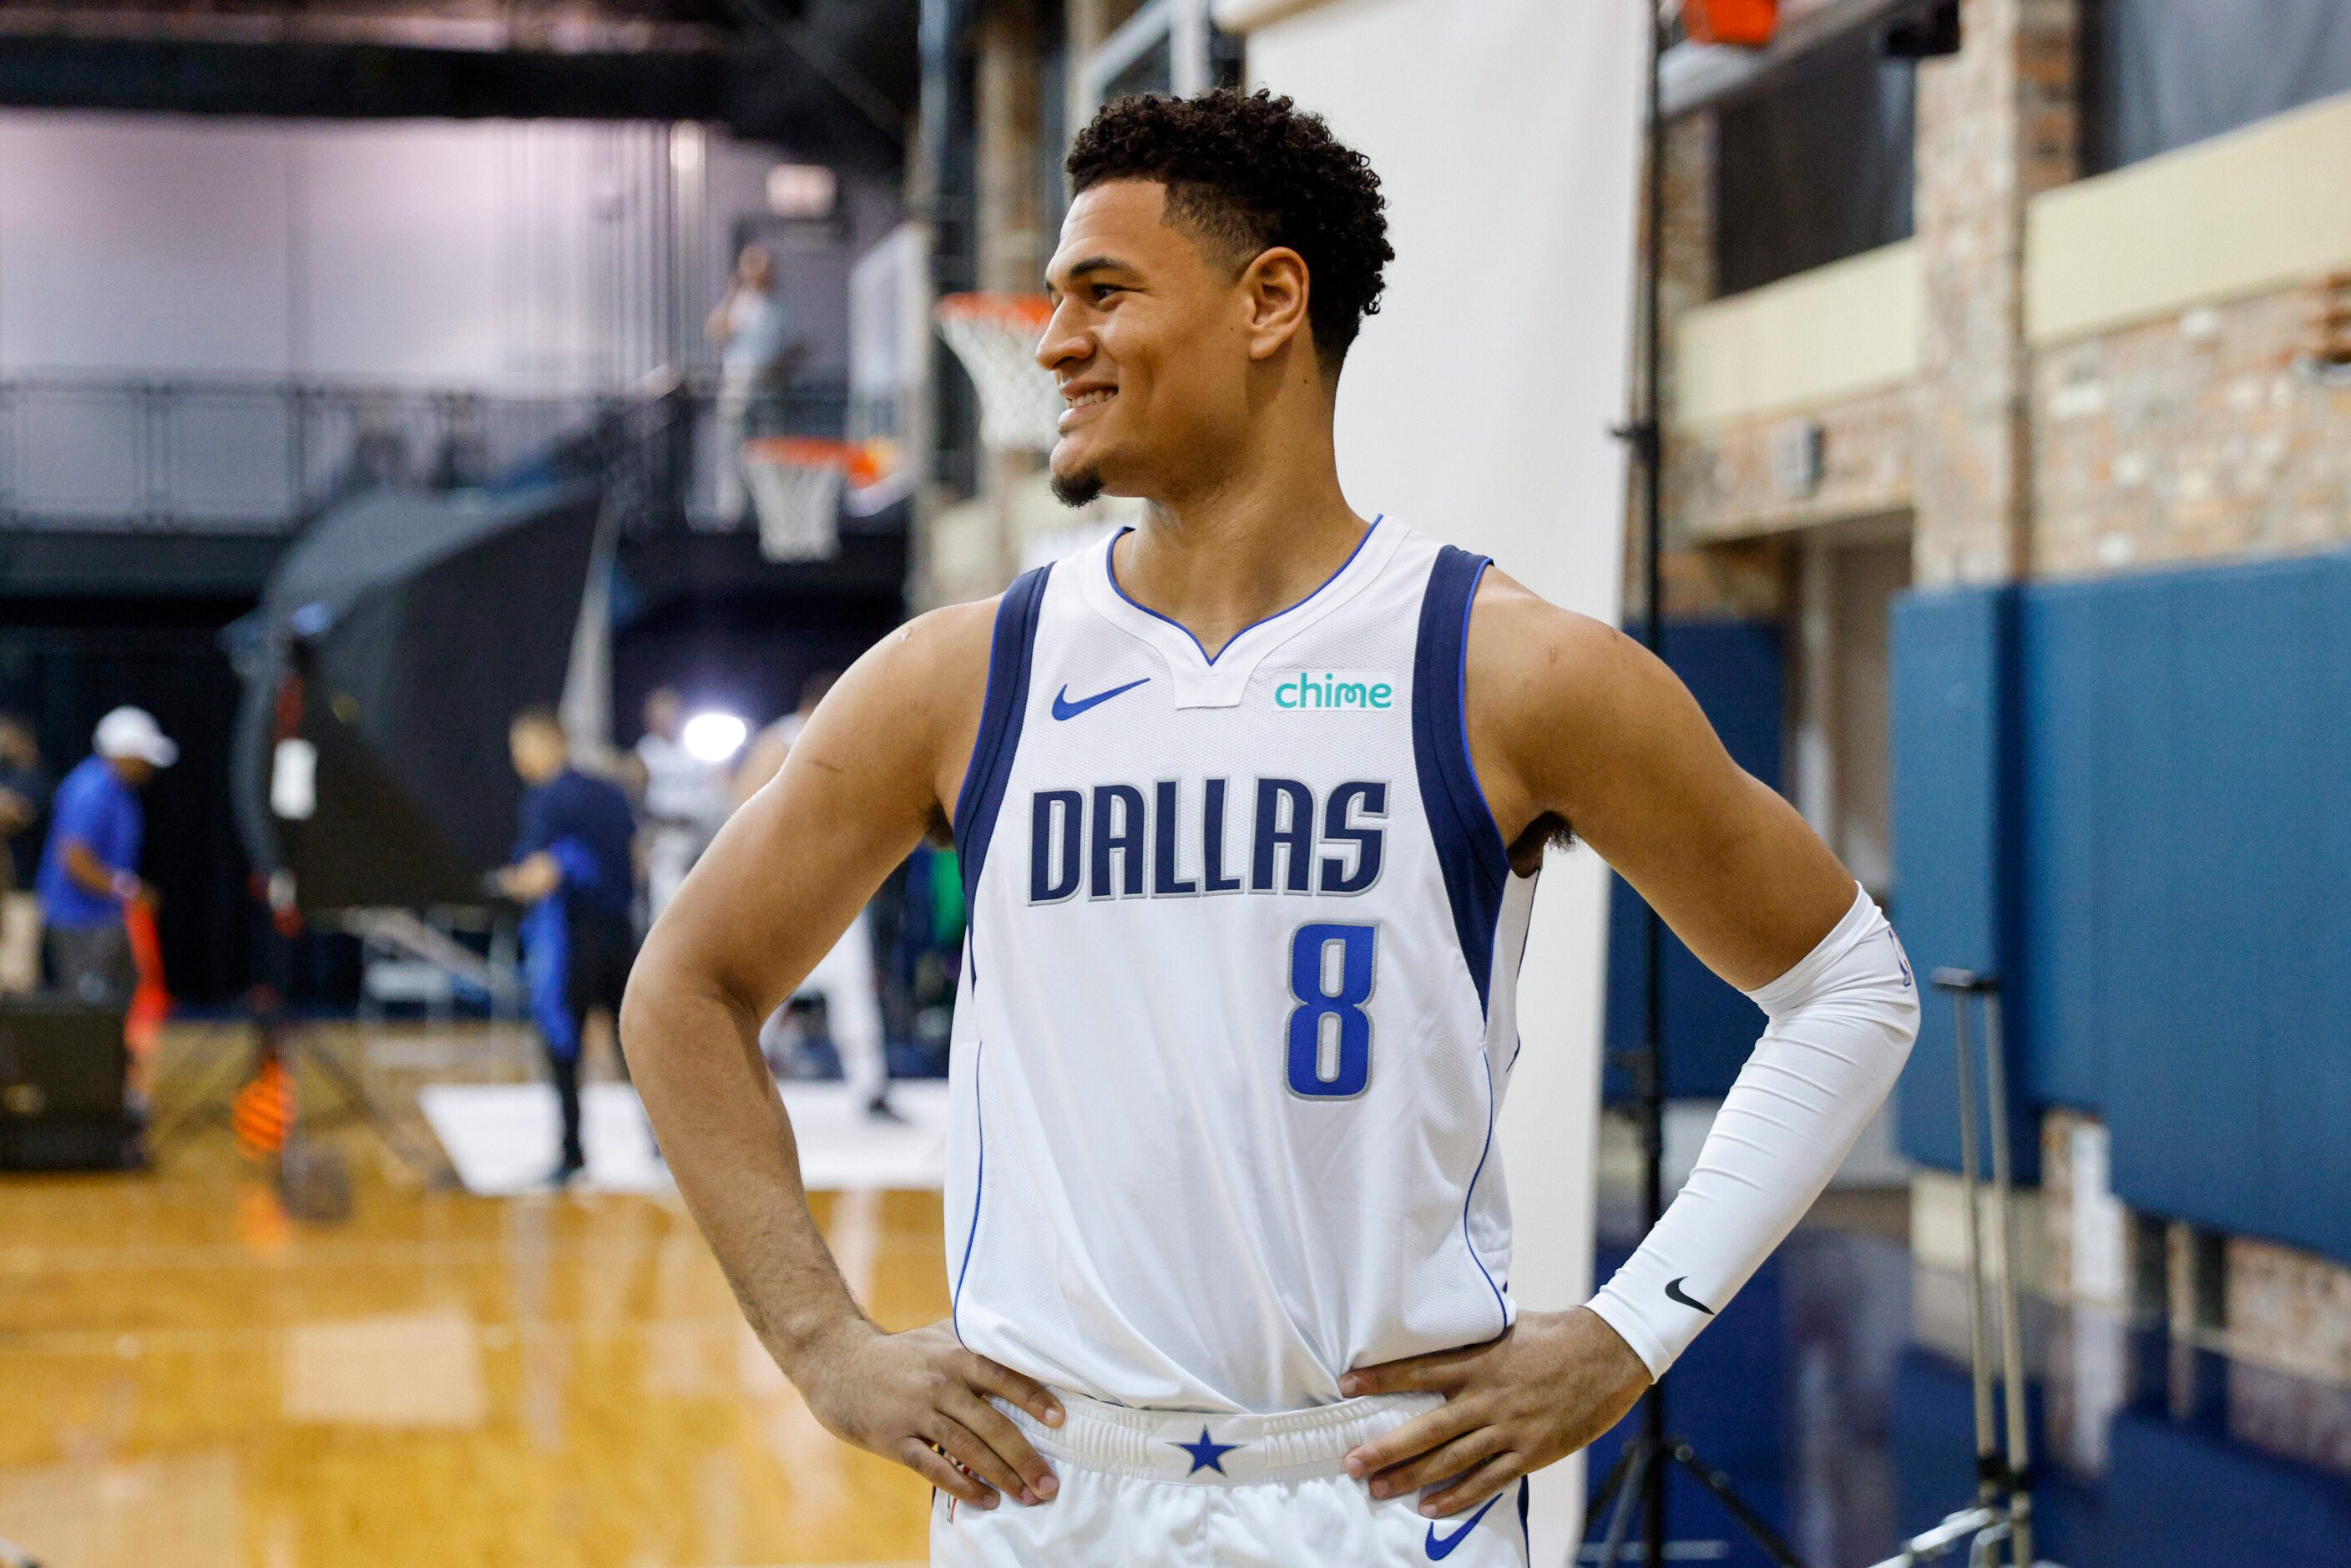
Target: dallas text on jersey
point(1126, 843)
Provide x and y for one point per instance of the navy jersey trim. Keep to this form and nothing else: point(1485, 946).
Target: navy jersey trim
point(979, 1191)
point(1011, 651)
point(1471, 1195)
point(1110, 568)
point(1468, 845)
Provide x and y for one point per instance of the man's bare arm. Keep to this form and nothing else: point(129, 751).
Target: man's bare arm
point(85, 871)
point(1575, 722)
point(1573, 726)
point(867, 780)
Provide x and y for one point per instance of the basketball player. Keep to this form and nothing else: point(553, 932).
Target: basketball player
point(1250, 801)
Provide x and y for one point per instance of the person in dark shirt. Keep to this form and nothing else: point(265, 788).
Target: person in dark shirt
point(573, 870)
point(23, 801)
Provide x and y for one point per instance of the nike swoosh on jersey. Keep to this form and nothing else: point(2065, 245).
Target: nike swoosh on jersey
point(1440, 1549)
point(1674, 1293)
point(1064, 708)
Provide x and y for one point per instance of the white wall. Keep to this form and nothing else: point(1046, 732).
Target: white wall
point(1476, 406)
point(500, 253)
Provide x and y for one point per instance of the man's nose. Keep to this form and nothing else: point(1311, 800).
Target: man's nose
point(1060, 342)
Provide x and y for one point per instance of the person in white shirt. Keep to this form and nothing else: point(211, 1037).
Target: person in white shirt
point(686, 800)
point(757, 350)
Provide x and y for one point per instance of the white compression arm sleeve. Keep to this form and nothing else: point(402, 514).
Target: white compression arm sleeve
point(1841, 1024)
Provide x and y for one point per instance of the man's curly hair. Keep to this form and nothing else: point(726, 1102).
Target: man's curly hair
point(1245, 172)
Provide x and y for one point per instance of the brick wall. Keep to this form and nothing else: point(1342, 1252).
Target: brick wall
point(1994, 127)
point(2193, 438)
point(1723, 486)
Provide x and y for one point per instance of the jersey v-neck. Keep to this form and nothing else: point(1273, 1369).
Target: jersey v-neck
point(1199, 680)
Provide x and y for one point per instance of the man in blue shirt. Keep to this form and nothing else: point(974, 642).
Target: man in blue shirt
point(573, 870)
point(90, 867)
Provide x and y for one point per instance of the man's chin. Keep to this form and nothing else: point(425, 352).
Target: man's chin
point(1080, 488)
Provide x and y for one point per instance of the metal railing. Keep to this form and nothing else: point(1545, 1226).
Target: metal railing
point(228, 455)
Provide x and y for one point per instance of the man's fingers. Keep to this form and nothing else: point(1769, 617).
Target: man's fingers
point(967, 1449)
point(1418, 1435)
point(928, 1463)
point(1441, 1463)
point(991, 1426)
point(1441, 1371)
point(1473, 1489)
point(995, 1378)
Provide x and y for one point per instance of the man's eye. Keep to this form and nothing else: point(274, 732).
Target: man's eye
point(1105, 290)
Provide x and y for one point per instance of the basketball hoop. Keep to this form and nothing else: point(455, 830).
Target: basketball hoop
point(995, 336)
point(796, 483)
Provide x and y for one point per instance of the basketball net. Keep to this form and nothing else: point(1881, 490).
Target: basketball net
point(796, 483)
point(995, 336)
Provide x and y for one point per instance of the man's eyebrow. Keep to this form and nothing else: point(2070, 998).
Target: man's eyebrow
point(1078, 269)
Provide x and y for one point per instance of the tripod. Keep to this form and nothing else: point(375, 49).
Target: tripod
point(277, 1037)
point(2002, 1511)
point(1641, 1469)
point(289, 1045)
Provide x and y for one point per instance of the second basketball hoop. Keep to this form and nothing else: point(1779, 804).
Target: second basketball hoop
point(995, 336)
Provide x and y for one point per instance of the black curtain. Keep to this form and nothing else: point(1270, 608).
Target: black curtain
point(2160, 74)
point(1814, 163)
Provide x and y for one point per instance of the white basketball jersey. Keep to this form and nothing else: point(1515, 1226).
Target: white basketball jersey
point(1237, 1011)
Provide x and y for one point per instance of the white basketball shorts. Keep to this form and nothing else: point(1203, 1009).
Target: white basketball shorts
point(1161, 1489)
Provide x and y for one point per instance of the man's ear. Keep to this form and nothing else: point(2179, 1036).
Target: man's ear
point(1276, 286)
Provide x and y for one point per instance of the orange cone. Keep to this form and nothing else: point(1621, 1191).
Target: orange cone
point(263, 1111)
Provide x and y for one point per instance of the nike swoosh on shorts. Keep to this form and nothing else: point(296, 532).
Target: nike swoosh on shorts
point(1440, 1550)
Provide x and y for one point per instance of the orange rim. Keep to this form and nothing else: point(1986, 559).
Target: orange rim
point(1030, 312)
point(862, 462)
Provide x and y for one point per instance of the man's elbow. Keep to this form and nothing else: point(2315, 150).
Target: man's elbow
point(658, 1005)
point(647, 1007)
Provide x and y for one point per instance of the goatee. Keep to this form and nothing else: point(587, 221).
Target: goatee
point(1077, 489)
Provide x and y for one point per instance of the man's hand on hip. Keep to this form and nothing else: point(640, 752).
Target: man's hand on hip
point(917, 1395)
point(1545, 1388)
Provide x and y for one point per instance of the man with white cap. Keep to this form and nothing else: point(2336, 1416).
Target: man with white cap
point(90, 868)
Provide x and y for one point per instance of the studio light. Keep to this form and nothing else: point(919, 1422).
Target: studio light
point(715, 736)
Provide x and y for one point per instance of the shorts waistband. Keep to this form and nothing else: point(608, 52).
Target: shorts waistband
point(1204, 1448)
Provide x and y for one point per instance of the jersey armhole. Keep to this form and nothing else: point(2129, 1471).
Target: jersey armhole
point(1469, 846)
point(1009, 654)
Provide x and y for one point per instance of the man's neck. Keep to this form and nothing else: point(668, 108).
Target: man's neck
point(1218, 561)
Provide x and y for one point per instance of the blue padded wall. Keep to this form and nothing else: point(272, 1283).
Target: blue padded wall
point(2179, 905)
point(1954, 809)
point(1737, 671)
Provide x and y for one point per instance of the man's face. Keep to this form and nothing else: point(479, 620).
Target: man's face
point(537, 750)
point(1149, 340)
point(664, 715)
point(135, 772)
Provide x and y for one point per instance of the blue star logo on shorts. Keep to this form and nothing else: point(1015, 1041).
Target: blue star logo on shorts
point(1207, 1454)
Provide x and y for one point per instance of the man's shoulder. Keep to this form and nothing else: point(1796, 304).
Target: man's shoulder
point(90, 782)
point(910, 707)
point(1516, 634)
point(934, 662)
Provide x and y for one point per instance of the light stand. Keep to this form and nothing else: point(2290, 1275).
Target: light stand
point(2002, 1515)
point(1642, 1468)
point(277, 1037)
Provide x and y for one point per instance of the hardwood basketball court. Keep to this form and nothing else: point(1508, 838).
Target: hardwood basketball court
point(195, 1378)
